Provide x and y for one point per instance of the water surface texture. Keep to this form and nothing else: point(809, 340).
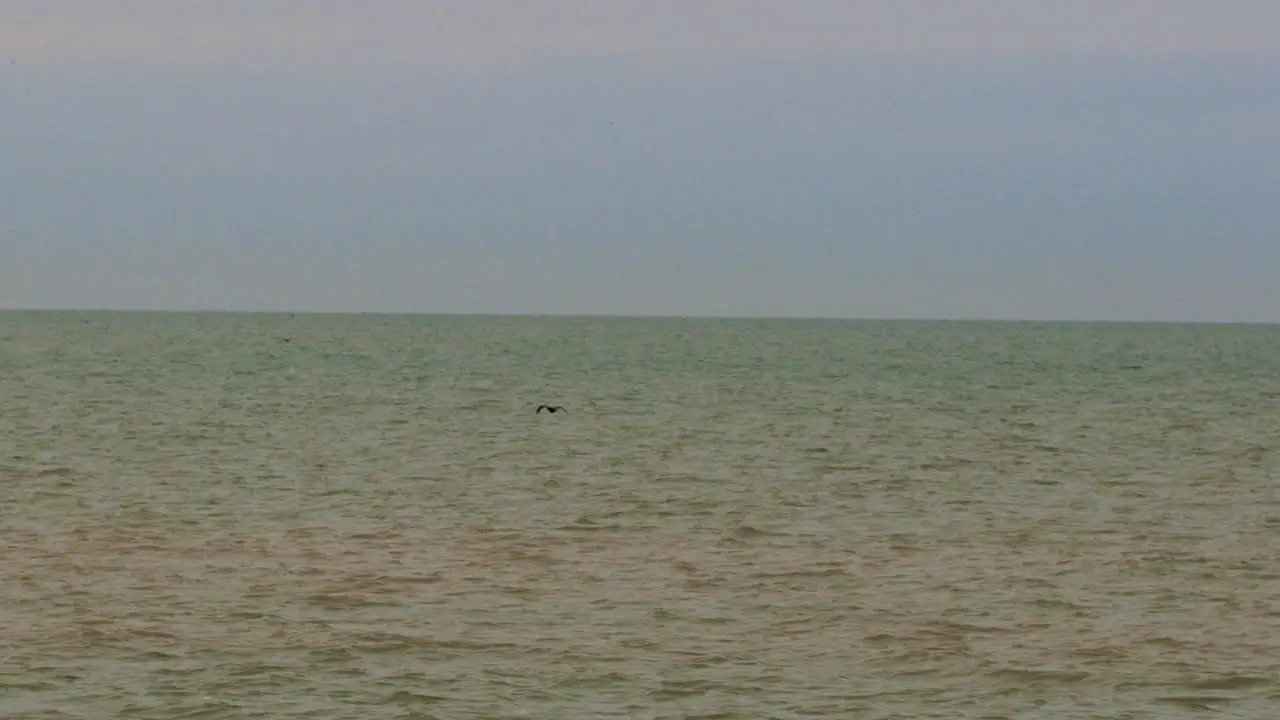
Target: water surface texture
point(258, 516)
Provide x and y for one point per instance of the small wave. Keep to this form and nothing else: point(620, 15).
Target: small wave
point(800, 573)
point(585, 523)
point(746, 532)
point(1231, 682)
point(343, 601)
point(1023, 675)
point(404, 697)
point(1204, 703)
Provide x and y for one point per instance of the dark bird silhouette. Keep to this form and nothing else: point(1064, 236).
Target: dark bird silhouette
point(548, 408)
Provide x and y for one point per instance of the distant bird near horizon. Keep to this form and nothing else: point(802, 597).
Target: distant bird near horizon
point(548, 408)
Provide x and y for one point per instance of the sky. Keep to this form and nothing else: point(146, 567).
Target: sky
point(1016, 159)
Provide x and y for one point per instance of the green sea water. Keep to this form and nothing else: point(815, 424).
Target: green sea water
point(361, 516)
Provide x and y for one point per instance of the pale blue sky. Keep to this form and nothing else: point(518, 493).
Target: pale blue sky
point(1082, 159)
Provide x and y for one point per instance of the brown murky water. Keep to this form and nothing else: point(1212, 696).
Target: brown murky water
point(733, 520)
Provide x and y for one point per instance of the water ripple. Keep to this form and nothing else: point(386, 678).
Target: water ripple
point(735, 520)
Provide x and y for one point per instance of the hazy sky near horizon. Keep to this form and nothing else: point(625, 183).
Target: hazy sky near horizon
point(1017, 159)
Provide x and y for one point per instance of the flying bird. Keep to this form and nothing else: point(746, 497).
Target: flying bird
point(548, 408)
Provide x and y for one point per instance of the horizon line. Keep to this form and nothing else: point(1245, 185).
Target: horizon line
point(629, 316)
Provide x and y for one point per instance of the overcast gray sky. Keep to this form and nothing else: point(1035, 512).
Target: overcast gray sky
point(928, 158)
